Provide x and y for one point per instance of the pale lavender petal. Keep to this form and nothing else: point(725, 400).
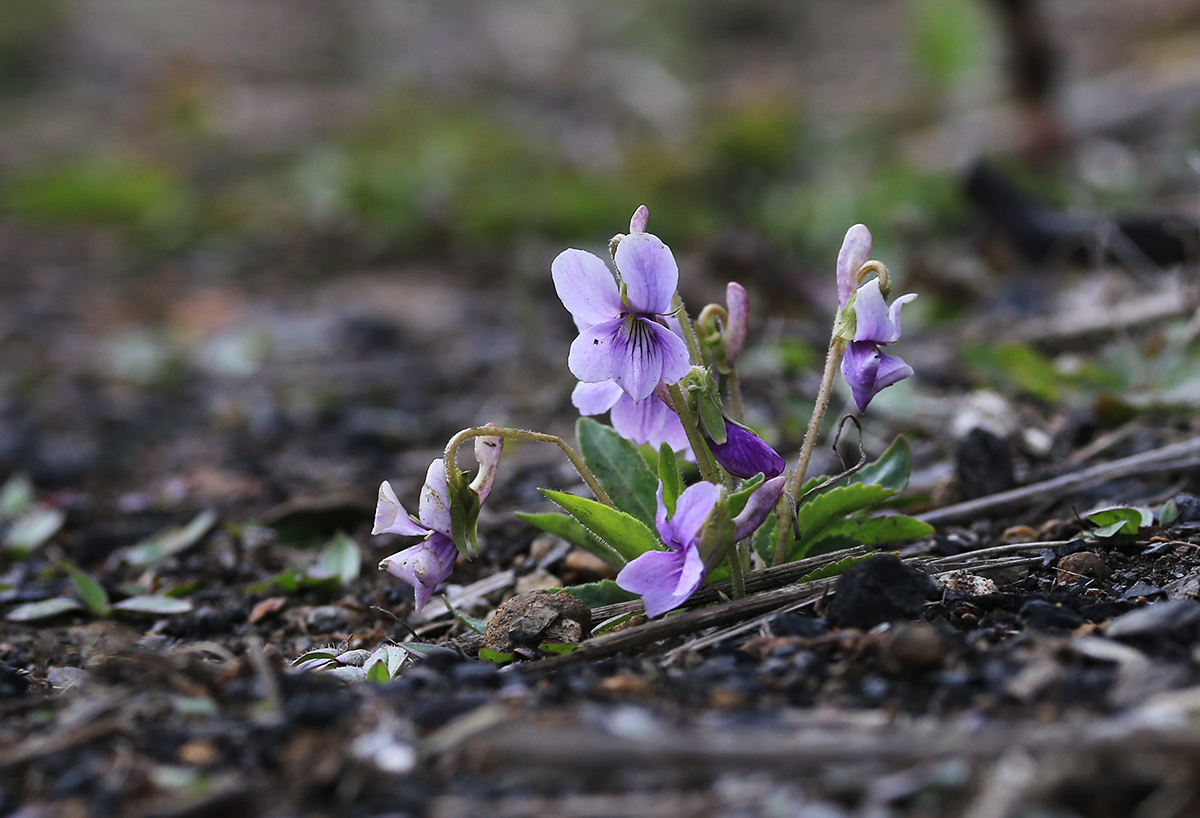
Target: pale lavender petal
point(596, 398)
point(894, 314)
point(745, 454)
point(649, 273)
point(641, 351)
point(435, 499)
point(856, 250)
point(391, 518)
point(860, 367)
point(424, 566)
point(586, 287)
point(691, 512)
point(663, 579)
point(737, 304)
point(638, 421)
point(891, 370)
point(760, 505)
point(487, 454)
point(591, 355)
point(872, 322)
point(640, 220)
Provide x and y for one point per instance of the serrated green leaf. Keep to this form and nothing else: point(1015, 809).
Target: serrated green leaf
point(890, 470)
point(46, 609)
point(477, 625)
point(818, 514)
point(340, 559)
point(599, 594)
point(154, 604)
point(495, 656)
point(558, 648)
point(833, 569)
point(170, 541)
point(91, 592)
point(1120, 520)
point(32, 529)
point(872, 531)
point(16, 496)
point(620, 468)
point(669, 476)
point(625, 534)
point(571, 530)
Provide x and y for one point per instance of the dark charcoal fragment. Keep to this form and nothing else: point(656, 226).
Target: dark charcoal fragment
point(983, 465)
point(881, 589)
point(794, 624)
point(1173, 619)
point(1141, 589)
point(1046, 616)
point(1189, 508)
point(12, 683)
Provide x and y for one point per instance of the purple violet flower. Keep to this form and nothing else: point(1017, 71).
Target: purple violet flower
point(665, 579)
point(650, 421)
point(622, 336)
point(428, 563)
point(744, 454)
point(865, 367)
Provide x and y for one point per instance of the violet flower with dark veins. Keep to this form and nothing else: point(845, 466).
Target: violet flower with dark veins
point(745, 454)
point(428, 563)
point(666, 579)
point(865, 366)
point(622, 336)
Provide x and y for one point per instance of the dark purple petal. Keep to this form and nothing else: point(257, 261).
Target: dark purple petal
point(760, 505)
point(649, 273)
point(692, 508)
point(591, 356)
point(663, 579)
point(391, 518)
point(424, 566)
point(856, 249)
point(860, 367)
point(744, 454)
point(596, 398)
point(586, 287)
point(435, 499)
point(891, 369)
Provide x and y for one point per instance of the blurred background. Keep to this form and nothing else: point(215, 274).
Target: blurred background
point(256, 253)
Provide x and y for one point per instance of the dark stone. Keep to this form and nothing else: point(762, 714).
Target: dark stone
point(12, 683)
point(1046, 616)
point(881, 589)
point(1189, 508)
point(1172, 618)
point(794, 624)
point(1143, 589)
point(983, 465)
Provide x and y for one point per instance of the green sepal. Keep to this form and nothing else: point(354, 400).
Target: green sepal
point(669, 476)
point(464, 514)
point(624, 533)
point(847, 321)
point(716, 537)
point(739, 498)
point(712, 418)
point(599, 594)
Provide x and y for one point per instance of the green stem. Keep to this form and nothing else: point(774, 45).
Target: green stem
point(735, 396)
point(837, 346)
point(736, 575)
point(689, 332)
point(709, 469)
point(452, 470)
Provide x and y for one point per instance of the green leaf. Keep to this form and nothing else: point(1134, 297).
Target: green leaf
point(764, 541)
point(424, 650)
point(377, 672)
point(495, 656)
point(16, 496)
point(833, 569)
point(32, 529)
point(571, 530)
point(170, 541)
point(670, 476)
point(1169, 513)
point(91, 592)
point(1120, 520)
point(873, 531)
point(558, 647)
point(890, 470)
point(477, 625)
point(739, 498)
point(46, 609)
point(153, 604)
point(818, 514)
point(385, 663)
point(627, 535)
point(340, 558)
point(620, 468)
point(599, 594)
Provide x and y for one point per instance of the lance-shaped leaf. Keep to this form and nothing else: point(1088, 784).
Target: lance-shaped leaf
point(571, 530)
point(624, 533)
point(619, 467)
point(670, 476)
point(818, 514)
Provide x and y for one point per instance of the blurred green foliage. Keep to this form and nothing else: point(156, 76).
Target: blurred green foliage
point(26, 28)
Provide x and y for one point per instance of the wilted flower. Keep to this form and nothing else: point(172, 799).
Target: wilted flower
point(865, 367)
point(744, 454)
point(650, 421)
point(622, 336)
point(665, 579)
point(427, 564)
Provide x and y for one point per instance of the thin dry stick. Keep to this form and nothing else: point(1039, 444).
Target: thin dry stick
point(1167, 458)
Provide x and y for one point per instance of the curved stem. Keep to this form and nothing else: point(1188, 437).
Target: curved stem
point(704, 458)
point(452, 470)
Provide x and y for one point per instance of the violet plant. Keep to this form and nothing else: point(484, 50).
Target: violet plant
point(670, 386)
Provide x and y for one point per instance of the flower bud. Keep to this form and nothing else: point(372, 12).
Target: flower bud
point(744, 454)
